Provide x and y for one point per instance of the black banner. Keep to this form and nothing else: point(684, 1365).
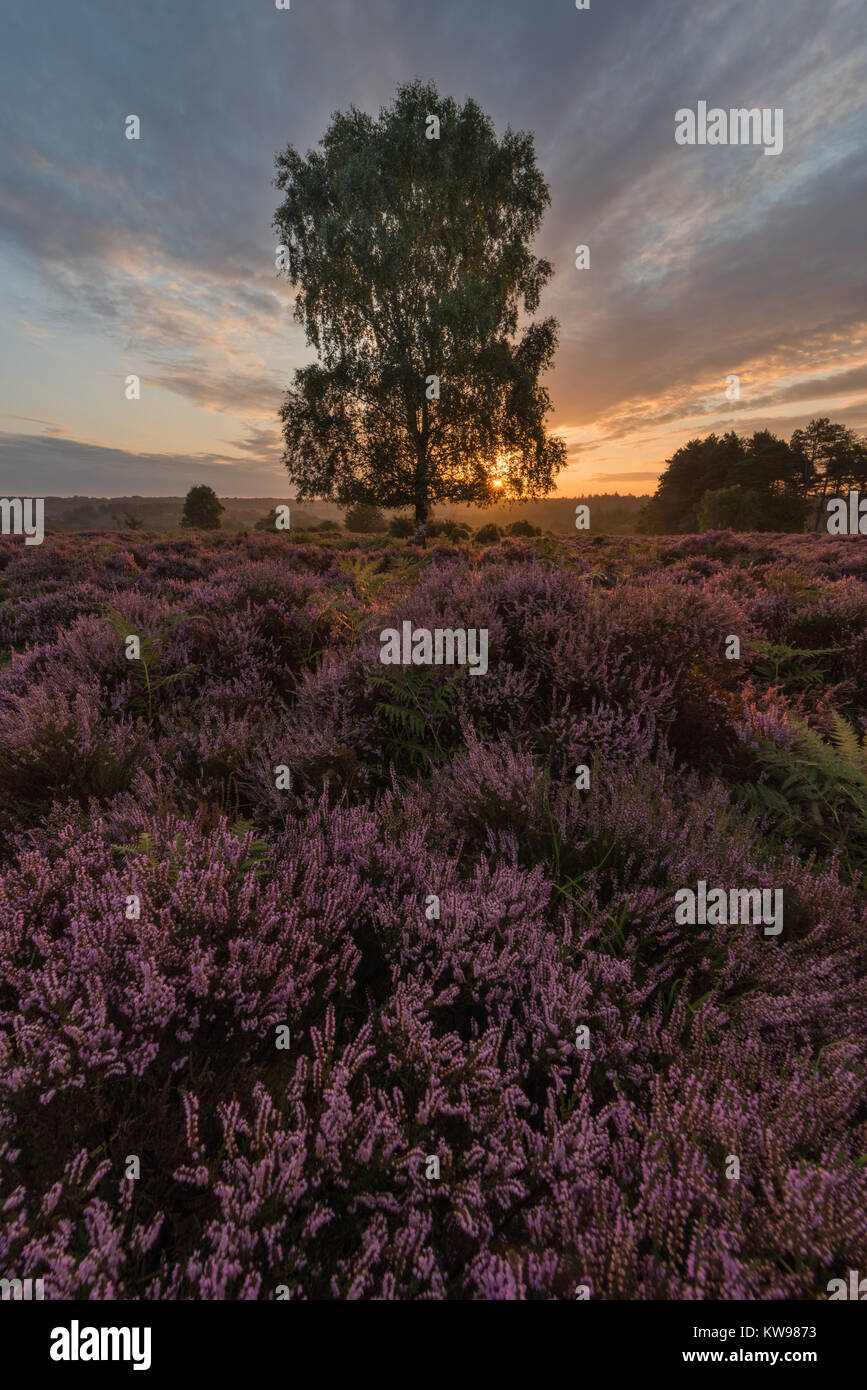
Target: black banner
point(224, 1340)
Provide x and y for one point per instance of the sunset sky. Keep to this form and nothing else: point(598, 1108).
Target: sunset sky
point(156, 257)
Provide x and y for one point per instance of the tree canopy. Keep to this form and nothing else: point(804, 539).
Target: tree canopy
point(408, 238)
point(202, 508)
point(759, 483)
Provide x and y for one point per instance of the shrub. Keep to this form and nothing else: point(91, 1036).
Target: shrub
point(365, 520)
point(202, 508)
point(451, 530)
point(432, 907)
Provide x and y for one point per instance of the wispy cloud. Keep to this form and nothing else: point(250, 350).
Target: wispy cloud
point(39, 465)
point(157, 256)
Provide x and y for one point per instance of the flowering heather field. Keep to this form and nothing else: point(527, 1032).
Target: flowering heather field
point(304, 1169)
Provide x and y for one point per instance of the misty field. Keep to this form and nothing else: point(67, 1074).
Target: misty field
point(280, 925)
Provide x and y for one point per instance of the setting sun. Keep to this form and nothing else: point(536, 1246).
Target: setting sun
point(500, 467)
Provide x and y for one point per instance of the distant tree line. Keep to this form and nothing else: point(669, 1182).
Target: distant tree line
point(611, 513)
point(760, 483)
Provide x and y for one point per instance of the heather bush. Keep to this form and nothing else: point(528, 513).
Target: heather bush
point(433, 909)
point(58, 747)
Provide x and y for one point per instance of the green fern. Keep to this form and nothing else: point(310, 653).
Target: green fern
point(150, 654)
point(146, 846)
point(778, 663)
point(259, 851)
point(173, 853)
point(416, 703)
point(366, 578)
point(849, 745)
point(817, 791)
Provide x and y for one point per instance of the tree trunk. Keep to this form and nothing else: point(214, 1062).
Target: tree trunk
point(419, 432)
point(421, 502)
point(818, 519)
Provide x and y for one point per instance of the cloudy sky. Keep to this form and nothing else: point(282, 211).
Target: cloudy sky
point(156, 256)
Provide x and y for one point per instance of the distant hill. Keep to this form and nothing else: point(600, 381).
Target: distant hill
point(613, 513)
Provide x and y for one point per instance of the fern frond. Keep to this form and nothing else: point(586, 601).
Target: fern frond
point(848, 743)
